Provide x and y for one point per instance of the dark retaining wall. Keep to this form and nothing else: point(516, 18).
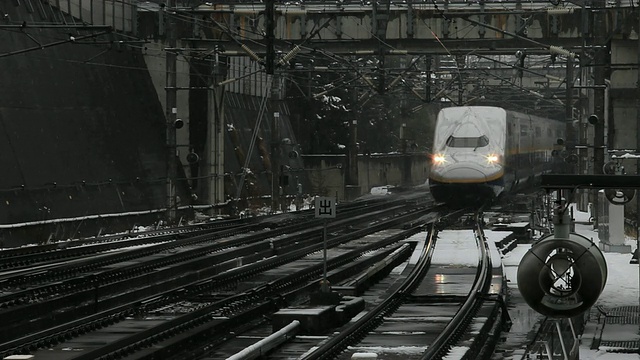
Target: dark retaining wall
point(81, 128)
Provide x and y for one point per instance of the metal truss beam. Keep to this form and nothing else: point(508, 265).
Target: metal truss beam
point(395, 46)
point(566, 181)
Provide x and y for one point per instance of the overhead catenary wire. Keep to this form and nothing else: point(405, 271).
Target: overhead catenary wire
point(460, 78)
point(184, 16)
point(254, 136)
point(56, 43)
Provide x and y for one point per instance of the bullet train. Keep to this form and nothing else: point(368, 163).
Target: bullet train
point(482, 152)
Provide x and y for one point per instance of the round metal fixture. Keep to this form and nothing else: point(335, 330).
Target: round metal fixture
point(560, 277)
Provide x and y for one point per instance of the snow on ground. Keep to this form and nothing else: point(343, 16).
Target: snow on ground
point(621, 289)
point(622, 284)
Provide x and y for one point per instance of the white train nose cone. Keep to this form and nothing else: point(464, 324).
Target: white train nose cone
point(464, 174)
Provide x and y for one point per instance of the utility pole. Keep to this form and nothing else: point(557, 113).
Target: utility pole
point(269, 24)
point(600, 59)
point(353, 190)
point(568, 115)
point(215, 142)
point(583, 153)
point(638, 149)
point(270, 64)
point(171, 114)
point(427, 87)
point(275, 151)
point(406, 158)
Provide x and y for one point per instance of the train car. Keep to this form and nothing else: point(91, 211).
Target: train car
point(483, 152)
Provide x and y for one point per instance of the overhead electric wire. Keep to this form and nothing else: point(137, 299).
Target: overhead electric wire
point(471, 27)
point(254, 136)
point(460, 77)
point(44, 46)
point(181, 15)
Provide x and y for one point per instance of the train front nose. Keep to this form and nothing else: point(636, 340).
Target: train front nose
point(463, 184)
point(463, 174)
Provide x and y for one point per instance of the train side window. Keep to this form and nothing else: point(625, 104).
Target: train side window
point(524, 130)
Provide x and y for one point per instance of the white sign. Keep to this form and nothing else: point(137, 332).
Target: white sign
point(325, 207)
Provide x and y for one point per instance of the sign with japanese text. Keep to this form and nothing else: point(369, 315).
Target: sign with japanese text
point(325, 207)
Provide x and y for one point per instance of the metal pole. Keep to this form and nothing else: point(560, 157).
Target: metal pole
point(638, 149)
point(270, 66)
point(353, 140)
point(570, 130)
point(171, 116)
point(275, 151)
point(561, 218)
point(325, 283)
point(562, 345)
point(601, 57)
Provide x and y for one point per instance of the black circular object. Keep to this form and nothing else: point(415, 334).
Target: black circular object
point(192, 158)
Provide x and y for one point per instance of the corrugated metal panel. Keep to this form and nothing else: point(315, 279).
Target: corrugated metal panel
point(251, 79)
point(117, 13)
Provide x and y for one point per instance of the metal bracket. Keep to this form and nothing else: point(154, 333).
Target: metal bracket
point(303, 26)
point(567, 181)
point(482, 30)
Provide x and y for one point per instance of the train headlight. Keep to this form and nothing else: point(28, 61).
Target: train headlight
point(439, 159)
point(493, 159)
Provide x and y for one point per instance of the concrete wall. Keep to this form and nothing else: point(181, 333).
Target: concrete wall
point(82, 134)
point(624, 102)
point(624, 84)
point(327, 172)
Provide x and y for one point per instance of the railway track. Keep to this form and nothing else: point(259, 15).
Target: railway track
point(92, 308)
point(28, 263)
point(431, 314)
point(232, 296)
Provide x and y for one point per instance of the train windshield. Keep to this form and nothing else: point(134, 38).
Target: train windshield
point(467, 142)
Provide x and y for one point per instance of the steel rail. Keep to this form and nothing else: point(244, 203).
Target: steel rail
point(260, 294)
point(62, 249)
point(232, 275)
point(456, 327)
point(373, 318)
point(66, 270)
point(87, 284)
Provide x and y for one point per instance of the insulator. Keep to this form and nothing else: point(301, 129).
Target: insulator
point(252, 55)
point(561, 51)
point(285, 59)
point(559, 11)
